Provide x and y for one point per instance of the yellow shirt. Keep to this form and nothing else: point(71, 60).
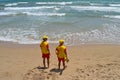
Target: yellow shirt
point(61, 51)
point(44, 47)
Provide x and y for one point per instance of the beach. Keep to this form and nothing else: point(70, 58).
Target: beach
point(86, 62)
point(90, 28)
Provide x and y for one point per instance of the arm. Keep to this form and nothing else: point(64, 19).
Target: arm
point(40, 44)
point(48, 48)
point(65, 52)
point(56, 51)
point(67, 60)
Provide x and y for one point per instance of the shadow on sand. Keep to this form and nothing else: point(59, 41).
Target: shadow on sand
point(56, 70)
point(60, 71)
point(39, 67)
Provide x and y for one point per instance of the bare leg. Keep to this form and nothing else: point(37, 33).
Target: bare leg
point(44, 62)
point(63, 64)
point(59, 63)
point(48, 62)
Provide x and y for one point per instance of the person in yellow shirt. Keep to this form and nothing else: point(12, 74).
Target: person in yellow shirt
point(44, 45)
point(61, 53)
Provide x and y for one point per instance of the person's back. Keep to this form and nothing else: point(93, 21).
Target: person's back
point(44, 47)
point(61, 51)
point(45, 50)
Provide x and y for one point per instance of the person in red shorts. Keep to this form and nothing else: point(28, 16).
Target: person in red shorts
point(61, 53)
point(44, 45)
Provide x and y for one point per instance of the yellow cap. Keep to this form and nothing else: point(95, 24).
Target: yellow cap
point(61, 41)
point(45, 37)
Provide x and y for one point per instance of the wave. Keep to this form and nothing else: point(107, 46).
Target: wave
point(31, 14)
point(97, 4)
point(11, 4)
point(96, 8)
point(109, 35)
point(56, 3)
point(44, 14)
point(114, 5)
point(114, 16)
point(78, 8)
point(15, 4)
point(28, 8)
point(7, 13)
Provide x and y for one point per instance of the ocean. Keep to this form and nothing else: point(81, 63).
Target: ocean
point(76, 21)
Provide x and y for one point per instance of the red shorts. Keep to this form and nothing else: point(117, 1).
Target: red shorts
point(61, 59)
point(45, 55)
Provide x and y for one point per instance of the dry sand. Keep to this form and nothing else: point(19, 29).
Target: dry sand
point(87, 62)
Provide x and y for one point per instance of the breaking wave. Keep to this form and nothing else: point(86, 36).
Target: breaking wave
point(109, 35)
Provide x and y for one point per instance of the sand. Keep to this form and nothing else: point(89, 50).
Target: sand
point(87, 62)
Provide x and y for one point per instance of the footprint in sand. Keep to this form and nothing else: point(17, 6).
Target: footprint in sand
point(110, 71)
point(40, 73)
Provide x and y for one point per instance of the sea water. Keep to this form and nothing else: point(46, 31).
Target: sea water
point(75, 21)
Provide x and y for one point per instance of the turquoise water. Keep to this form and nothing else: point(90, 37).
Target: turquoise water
point(76, 21)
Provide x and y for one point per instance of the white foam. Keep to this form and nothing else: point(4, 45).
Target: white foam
point(109, 35)
point(114, 5)
point(28, 8)
point(29, 42)
point(44, 14)
point(7, 13)
point(11, 4)
point(96, 4)
point(15, 4)
point(52, 3)
point(19, 35)
point(31, 14)
point(96, 8)
point(113, 16)
point(6, 39)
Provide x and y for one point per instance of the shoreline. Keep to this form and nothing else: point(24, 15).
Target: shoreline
point(82, 44)
point(19, 60)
